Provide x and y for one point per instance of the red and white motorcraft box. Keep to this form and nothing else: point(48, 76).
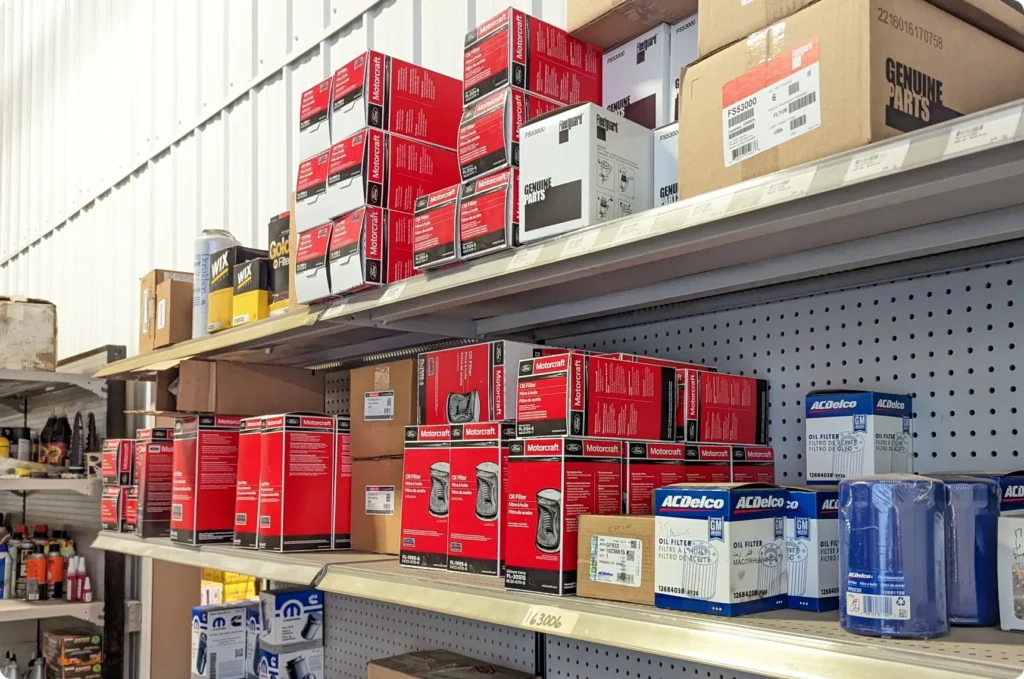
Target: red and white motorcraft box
point(753, 464)
point(369, 247)
point(489, 131)
point(470, 383)
point(708, 463)
point(112, 507)
point(650, 465)
point(154, 475)
point(722, 408)
point(311, 205)
point(551, 482)
point(342, 527)
point(426, 480)
point(205, 465)
point(513, 48)
point(131, 510)
point(117, 462)
point(311, 281)
point(435, 231)
point(314, 119)
point(489, 214)
point(376, 90)
point(575, 394)
point(247, 483)
point(297, 483)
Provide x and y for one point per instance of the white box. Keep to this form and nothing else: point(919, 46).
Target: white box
point(311, 282)
point(1010, 558)
point(582, 166)
point(291, 616)
point(852, 434)
point(637, 79)
point(252, 641)
point(218, 641)
point(292, 663)
point(314, 120)
point(370, 247)
point(812, 548)
point(666, 165)
point(684, 53)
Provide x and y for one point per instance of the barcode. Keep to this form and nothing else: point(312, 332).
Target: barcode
point(213, 666)
point(741, 117)
point(633, 544)
point(803, 101)
point(740, 130)
point(176, 512)
point(744, 150)
point(794, 88)
point(239, 652)
point(797, 122)
point(264, 522)
point(877, 605)
point(240, 519)
point(630, 555)
point(625, 578)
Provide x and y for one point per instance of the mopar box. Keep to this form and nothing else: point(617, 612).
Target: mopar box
point(637, 80)
point(218, 640)
point(291, 662)
point(812, 547)
point(291, 616)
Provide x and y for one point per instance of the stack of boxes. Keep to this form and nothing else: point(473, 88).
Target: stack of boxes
point(165, 316)
point(291, 634)
point(220, 637)
point(73, 654)
point(137, 483)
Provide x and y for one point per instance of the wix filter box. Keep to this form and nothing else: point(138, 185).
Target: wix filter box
point(721, 549)
point(1010, 572)
point(852, 434)
point(683, 53)
point(314, 120)
point(666, 165)
point(637, 81)
point(812, 547)
point(218, 640)
point(311, 283)
point(581, 166)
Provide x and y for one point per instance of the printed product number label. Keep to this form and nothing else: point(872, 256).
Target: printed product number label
point(992, 129)
point(380, 500)
point(879, 161)
point(548, 619)
point(579, 244)
point(393, 293)
point(771, 104)
point(615, 561)
point(788, 188)
point(379, 405)
point(877, 595)
point(161, 314)
point(523, 258)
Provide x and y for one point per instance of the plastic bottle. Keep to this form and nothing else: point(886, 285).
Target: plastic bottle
point(41, 535)
point(67, 550)
point(87, 590)
point(60, 440)
point(12, 670)
point(5, 561)
point(80, 582)
point(45, 436)
point(23, 548)
point(71, 583)
point(35, 589)
point(54, 572)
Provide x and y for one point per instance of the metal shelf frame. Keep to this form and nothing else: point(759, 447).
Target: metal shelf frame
point(30, 485)
point(13, 610)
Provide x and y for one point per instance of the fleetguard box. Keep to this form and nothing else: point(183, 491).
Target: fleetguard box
point(478, 459)
point(833, 77)
point(513, 48)
point(131, 509)
point(383, 403)
point(203, 492)
point(251, 301)
point(435, 230)
point(470, 383)
point(292, 615)
point(637, 81)
point(247, 484)
point(551, 483)
point(573, 394)
point(697, 567)
point(311, 281)
point(296, 482)
point(489, 131)
point(722, 408)
point(616, 558)
point(342, 499)
point(683, 53)
point(666, 165)
point(489, 214)
point(314, 119)
point(1010, 572)
point(117, 462)
point(154, 474)
point(812, 547)
point(708, 463)
point(426, 478)
point(369, 247)
point(650, 465)
point(279, 231)
point(582, 166)
point(112, 503)
point(753, 464)
point(375, 90)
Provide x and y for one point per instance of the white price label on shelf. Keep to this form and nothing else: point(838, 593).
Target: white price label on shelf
point(634, 229)
point(710, 210)
point(877, 161)
point(580, 243)
point(794, 186)
point(335, 310)
point(991, 129)
point(523, 258)
point(550, 619)
point(393, 293)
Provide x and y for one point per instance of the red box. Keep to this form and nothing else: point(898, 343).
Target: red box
point(575, 394)
point(369, 247)
point(551, 482)
point(516, 49)
point(296, 483)
point(435, 240)
point(723, 408)
point(341, 529)
point(247, 483)
point(753, 464)
point(479, 476)
point(489, 214)
point(375, 90)
point(708, 463)
point(469, 383)
point(205, 466)
point(426, 479)
point(311, 282)
point(117, 462)
point(131, 509)
point(650, 465)
point(489, 131)
point(314, 122)
point(112, 508)
point(154, 474)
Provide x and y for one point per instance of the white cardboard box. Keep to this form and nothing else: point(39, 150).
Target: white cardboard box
point(684, 53)
point(293, 662)
point(314, 120)
point(582, 166)
point(637, 80)
point(1010, 565)
point(666, 165)
point(311, 282)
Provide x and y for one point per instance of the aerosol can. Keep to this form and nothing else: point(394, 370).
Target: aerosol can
point(22, 548)
point(209, 242)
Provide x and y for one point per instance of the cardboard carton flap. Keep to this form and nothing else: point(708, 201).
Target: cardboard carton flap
point(608, 23)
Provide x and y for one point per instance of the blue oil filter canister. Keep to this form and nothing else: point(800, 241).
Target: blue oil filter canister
point(892, 556)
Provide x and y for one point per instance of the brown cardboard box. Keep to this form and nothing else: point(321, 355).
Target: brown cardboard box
point(639, 530)
point(832, 78)
point(1002, 18)
point(247, 390)
point(607, 23)
point(377, 505)
point(437, 664)
point(173, 313)
point(94, 671)
point(147, 299)
point(370, 387)
point(28, 334)
point(72, 647)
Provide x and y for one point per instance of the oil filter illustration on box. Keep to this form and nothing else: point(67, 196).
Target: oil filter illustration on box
point(426, 491)
point(301, 662)
point(892, 556)
point(487, 497)
point(464, 407)
point(439, 476)
point(295, 616)
point(219, 640)
point(700, 570)
point(549, 520)
point(201, 654)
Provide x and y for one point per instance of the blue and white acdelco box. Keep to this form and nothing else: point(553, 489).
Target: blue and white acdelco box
point(218, 640)
point(291, 616)
point(857, 433)
point(812, 547)
point(1012, 486)
point(720, 548)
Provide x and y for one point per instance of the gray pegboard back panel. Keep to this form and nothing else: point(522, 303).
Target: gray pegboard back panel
point(569, 659)
point(949, 339)
point(337, 392)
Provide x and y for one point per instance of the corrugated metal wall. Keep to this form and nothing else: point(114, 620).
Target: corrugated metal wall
point(128, 126)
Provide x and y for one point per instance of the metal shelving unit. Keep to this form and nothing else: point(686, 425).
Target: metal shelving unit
point(30, 485)
point(13, 610)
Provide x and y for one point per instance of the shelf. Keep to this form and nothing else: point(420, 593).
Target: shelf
point(12, 610)
point(23, 384)
point(29, 485)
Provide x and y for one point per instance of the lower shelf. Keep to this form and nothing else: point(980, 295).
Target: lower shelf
point(12, 610)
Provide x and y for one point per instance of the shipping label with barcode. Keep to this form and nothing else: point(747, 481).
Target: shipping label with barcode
point(616, 561)
point(878, 595)
point(380, 500)
point(771, 104)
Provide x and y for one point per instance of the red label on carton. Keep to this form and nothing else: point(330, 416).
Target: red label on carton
point(311, 249)
point(314, 105)
point(723, 408)
point(131, 508)
point(154, 472)
point(651, 465)
point(112, 507)
point(425, 497)
point(753, 464)
point(489, 214)
point(708, 463)
point(342, 528)
point(435, 228)
point(205, 468)
point(312, 180)
point(117, 462)
point(247, 486)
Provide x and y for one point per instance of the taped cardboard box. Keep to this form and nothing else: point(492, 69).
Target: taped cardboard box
point(377, 504)
point(607, 23)
point(147, 299)
point(247, 390)
point(437, 665)
point(383, 404)
point(840, 78)
point(616, 558)
point(173, 313)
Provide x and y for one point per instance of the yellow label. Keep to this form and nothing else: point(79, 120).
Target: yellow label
point(250, 307)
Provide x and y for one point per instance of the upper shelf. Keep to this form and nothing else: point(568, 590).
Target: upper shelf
point(896, 200)
point(23, 384)
point(30, 485)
